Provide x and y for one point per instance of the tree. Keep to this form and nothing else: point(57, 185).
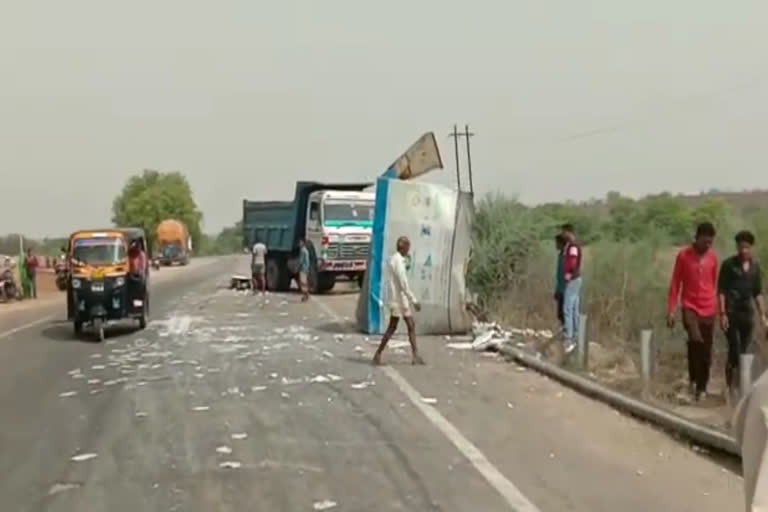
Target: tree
point(152, 196)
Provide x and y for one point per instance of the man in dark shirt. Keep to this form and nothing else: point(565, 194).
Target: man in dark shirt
point(738, 287)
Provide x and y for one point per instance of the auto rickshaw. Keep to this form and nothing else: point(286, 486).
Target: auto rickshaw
point(101, 288)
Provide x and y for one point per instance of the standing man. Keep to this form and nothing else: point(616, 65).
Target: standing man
point(401, 298)
point(30, 265)
point(259, 267)
point(304, 270)
point(572, 292)
point(695, 273)
point(559, 280)
point(738, 287)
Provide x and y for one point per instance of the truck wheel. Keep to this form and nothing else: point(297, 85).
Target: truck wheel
point(323, 282)
point(278, 279)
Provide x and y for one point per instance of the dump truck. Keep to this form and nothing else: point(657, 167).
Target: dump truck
point(172, 243)
point(335, 220)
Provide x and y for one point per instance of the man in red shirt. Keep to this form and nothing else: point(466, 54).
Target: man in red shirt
point(695, 274)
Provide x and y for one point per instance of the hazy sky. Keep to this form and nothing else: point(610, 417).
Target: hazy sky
point(570, 99)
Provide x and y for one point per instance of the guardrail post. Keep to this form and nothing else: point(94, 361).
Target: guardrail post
point(745, 372)
point(647, 358)
point(582, 346)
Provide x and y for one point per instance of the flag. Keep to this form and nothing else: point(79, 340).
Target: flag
point(23, 278)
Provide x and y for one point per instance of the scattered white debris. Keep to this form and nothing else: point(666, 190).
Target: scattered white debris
point(230, 464)
point(429, 401)
point(111, 382)
point(327, 354)
point(98, 367)
point(273, 375)
point(95, 356)
point(285, 395)
point(334, 378)
point(359, 349)
point(94, 381)
point(201, 408)
point(510, 405)
point(224, 450)
point(460, 346)
point(640, 472)
point(84, 457)
point(362, 385)
point(67, 394)
point(319, 379)
point(325, 505)
point(239, 436)
point(141, 414)
point(338, 337)
point(59, 487)
point(258, 388)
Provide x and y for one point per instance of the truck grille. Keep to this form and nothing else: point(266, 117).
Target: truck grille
point(350, 251)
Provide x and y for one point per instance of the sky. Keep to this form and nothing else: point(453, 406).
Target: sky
point(568, 100)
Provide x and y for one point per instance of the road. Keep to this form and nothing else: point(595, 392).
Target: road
point(228, 404)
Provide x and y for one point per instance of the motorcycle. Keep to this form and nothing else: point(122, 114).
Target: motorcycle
point(60, 270)
point(8, 288)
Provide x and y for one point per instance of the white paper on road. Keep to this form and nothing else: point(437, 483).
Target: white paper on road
point(437, 220)
point(751, 431)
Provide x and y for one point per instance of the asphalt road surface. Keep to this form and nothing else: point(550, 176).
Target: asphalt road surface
point(230, 403)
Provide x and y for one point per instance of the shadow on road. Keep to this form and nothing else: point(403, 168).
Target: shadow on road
point(64, 331)
point(342, 327)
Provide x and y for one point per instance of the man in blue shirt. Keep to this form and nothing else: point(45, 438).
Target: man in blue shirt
point(559, 279)
point(303, 270)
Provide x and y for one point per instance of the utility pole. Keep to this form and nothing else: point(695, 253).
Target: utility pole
point(467, 134)
point(456, 136)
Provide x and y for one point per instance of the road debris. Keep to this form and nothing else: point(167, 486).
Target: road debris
point(319, 379)
point(325, 505)
point(82, 457)
point(230, 464)
point(67, 394)
point(258, 388)
point(327, 354)
point(334, 378)
point(239, 436)
point(141, 414)
point(362, 385)
point(429, 401)
point(224, 450)
point(201, 408)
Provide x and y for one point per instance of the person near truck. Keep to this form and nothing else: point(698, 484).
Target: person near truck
point(572, 292)
point(694, 282)
point(303, 270)
point(559, 280)
point(30, 266)
point(402, 302)
point(739, 286)
point(258, 267)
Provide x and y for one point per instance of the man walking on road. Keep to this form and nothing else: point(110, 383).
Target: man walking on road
point(304, 270)
point(572, 292)
point(695, 274)
point(559, 280)
point(401, 300)
point(739, 286)
point(30, 265)
point(258, 267)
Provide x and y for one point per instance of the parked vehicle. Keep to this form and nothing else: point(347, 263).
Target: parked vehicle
point(101, 288)
point(172, 243)
point(336, 221)
point(8, 288)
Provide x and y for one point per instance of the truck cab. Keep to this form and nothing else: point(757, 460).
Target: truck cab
point(339, 225)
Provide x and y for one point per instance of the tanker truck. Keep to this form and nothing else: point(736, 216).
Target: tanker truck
point(172, 243)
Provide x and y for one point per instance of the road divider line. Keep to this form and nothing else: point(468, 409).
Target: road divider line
point(13, 331)
point(511, 494)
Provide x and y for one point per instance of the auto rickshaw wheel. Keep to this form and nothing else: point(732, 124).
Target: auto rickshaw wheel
point(98, 326)
point(78, 325)
point(143, 317)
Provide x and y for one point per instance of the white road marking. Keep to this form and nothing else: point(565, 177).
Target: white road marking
point(13, 331)
point(511, 494)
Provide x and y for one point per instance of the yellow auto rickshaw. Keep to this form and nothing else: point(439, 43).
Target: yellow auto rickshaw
point(101, 289)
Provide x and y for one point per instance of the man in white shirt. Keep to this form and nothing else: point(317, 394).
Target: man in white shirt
point(401, 300)
point(258, 266)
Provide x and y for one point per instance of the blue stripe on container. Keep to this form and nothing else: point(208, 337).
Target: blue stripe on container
point(377, 256)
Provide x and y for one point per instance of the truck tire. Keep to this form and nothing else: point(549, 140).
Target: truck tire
point(278, 279)
point(321, 282)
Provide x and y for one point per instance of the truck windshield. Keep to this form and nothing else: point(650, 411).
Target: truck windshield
point(98, 251)
point(348, 214)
